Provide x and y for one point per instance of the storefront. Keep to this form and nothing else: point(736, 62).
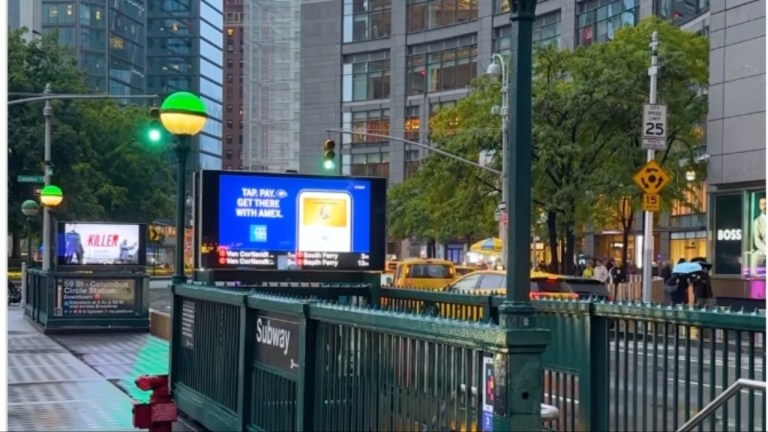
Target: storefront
point(738, 234)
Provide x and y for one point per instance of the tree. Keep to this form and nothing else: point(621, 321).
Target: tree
point(447, 199)
point(682, 79)
point(104, 173)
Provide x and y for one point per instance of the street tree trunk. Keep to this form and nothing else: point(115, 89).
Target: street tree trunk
point(553, 264)
point(16, 245)
point(568, 257)
point(626, 229)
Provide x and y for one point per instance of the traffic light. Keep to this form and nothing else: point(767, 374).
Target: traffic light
point(155, 129)
point(329, 156)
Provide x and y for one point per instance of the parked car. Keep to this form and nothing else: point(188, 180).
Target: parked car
point(543, 285)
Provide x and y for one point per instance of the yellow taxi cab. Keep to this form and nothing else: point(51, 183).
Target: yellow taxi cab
point(429, 273)
point(461, 270)
point(543, 285)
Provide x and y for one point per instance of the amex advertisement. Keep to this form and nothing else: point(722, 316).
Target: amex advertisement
point(82, 243)
point(292, 222)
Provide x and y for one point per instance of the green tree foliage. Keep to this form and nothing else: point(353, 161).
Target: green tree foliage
point(104, 171)
point(447, 199)
point(587, 113)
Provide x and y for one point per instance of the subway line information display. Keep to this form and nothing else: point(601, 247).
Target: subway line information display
point(291, 222)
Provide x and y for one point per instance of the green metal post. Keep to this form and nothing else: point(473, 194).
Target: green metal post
point(181, 148)
point(525, 344)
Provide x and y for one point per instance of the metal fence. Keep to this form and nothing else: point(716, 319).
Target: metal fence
point(256, 362)
point(608, 366)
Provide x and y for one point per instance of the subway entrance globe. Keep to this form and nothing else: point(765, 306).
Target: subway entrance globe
point(183, 114)
point(51, 196)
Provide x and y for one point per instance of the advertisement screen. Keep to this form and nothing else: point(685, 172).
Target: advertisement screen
point(83, 243)
point(757, 226)
point(291, 222)
point(727, 234)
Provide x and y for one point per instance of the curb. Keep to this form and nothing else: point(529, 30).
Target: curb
point(160, 324)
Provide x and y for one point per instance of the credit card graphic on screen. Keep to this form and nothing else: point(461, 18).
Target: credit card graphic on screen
point(325, 222)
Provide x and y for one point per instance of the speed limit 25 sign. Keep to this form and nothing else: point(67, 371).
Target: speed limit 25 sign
point(654, 127)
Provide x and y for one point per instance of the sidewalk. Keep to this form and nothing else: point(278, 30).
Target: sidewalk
point(74, 382)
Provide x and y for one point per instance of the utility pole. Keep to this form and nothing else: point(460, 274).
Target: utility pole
point(653, 72)
point(47, 114)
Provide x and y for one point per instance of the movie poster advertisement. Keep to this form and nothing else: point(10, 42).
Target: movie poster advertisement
point(757, 234)
point(99, 244)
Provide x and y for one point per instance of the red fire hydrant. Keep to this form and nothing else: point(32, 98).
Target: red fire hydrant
point(159, 414)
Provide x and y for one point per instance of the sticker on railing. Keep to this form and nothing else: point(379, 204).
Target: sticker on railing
point(188, 324)
point(489, 386)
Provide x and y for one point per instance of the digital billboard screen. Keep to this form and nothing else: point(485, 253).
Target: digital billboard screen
point(291, 222)
point(88, 243)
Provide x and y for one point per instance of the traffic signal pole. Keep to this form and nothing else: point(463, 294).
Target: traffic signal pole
point(417, 144)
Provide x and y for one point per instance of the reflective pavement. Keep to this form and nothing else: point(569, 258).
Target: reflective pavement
point(74, 382)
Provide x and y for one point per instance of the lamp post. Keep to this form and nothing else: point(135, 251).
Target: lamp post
point(498, 67)
point(30, 209)
point(50, 197)
point(183, 115)
point(521, 365)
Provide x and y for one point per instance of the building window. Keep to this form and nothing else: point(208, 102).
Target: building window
point(229, 139)
point(687, 245)
point(598, 20)
point(373, 121)
point(229, 154)
point(695, 202)
point(681, 11)
point(229, 124)
point(366, 76)
point(442, 65)
point(229, 109)
point(546, 29)
point(230, 63)
point(367, 19)
point(369, 164)
point(432, 14)
point(412, 123)
point(240, 141)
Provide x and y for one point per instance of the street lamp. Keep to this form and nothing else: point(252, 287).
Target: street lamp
point(183, 115)
point(50, 197)
point(499, 67)
point(690, 175)
point(30, 210)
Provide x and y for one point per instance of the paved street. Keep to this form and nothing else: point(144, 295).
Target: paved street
point(160, 297)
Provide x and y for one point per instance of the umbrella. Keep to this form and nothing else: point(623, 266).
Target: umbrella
point(487, 245)
point(702, 261)
point(687, 267)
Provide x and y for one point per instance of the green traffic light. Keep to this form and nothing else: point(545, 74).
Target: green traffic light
point(329, 165)
point(155, 135)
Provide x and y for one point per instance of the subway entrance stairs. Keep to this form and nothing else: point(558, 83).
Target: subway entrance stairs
point(81, 382)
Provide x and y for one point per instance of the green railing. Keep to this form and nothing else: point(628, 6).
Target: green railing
point(617, 367)
point(328, 366)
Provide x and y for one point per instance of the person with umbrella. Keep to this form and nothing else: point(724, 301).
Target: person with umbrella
point(677, 285)
point(702, 285)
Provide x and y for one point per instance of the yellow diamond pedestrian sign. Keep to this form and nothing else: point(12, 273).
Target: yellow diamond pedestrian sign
point(651, 178)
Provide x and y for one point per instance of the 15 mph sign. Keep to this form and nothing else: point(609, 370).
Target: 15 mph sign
point(654, 127)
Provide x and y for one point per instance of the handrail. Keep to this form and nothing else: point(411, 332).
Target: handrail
point(725, 396)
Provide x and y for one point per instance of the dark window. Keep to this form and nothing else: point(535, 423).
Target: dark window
point(466, 284)
point(681, 11)
point(432, 14)
point(493, 281)
point(367, 20)
point(366, 77)
point(442, 65)
point(429, 271)
point(598, 20)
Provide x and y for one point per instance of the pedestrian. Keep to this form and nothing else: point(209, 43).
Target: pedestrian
point(677, 288)
point(702, 289)
point(589, 271)
point(618, 275)
point(601, 273)
point(666, 271)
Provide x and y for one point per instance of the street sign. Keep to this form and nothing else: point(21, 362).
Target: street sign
point(651, 202)
point(37, 190)
point(155, 236)
point(651, 178)
point(27, 178)
point(654, 127)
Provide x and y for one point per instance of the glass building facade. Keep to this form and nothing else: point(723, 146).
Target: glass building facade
point(109, 38)
point(184, 52)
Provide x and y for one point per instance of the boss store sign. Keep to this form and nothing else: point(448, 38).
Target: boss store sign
point(728, 234)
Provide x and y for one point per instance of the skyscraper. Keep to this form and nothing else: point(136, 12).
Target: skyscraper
point(272, 84)
point(233, 86)
point(109, 40)
point(184, 52)
point(28, 14)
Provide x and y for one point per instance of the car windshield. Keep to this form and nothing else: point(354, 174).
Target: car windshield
point(430, 271)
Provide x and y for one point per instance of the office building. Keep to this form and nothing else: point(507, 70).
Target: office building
point(27, 14)
point(109, 39)
point(273, 58)
point(233, 86)
point(737, 149)
point(184, 52)
point(386, 67)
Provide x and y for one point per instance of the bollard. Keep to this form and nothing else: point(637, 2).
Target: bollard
point(159, 414)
